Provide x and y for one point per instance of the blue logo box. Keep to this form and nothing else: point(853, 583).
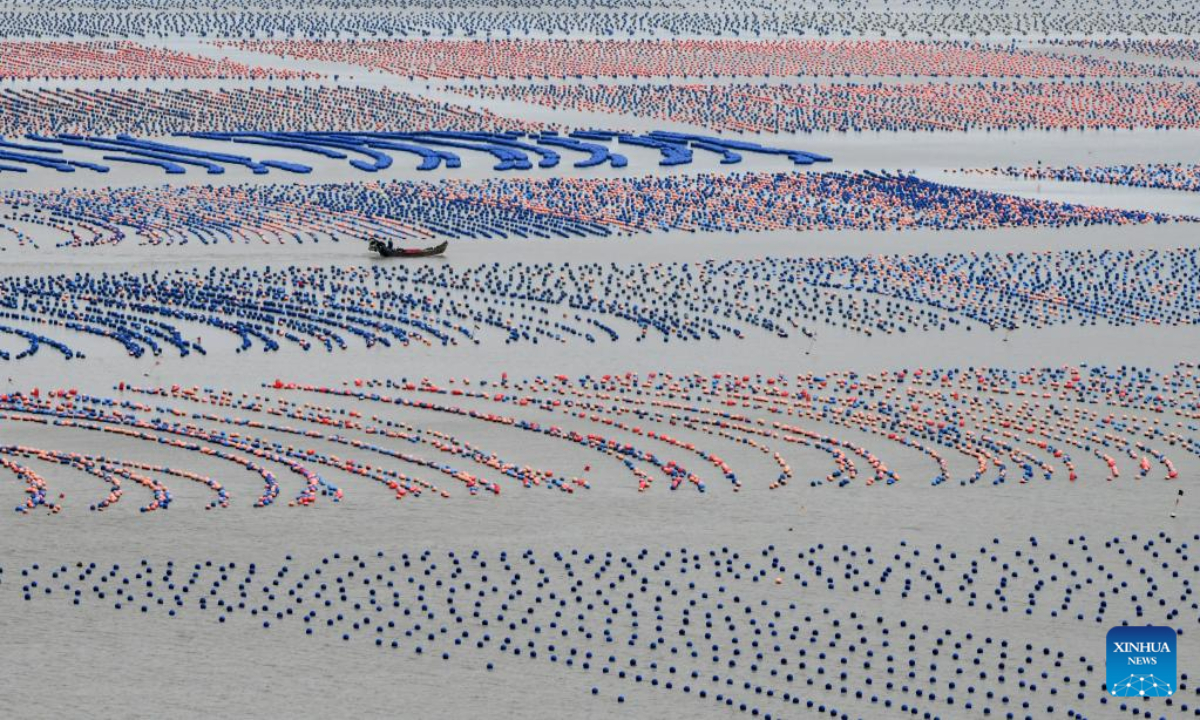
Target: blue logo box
point(1140, 661)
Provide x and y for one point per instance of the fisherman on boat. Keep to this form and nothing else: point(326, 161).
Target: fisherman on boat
point(389, 250)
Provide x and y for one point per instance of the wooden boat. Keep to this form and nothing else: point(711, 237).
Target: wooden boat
point(385, 250)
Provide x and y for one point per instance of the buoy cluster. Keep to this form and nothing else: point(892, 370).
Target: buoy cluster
point(112, 59)
point(526, 59)
point(544, 208)
point(839, 629)
point(152, 112)
point(973, 425)
point(1161, 176)
point(992, 105)
point(1165, 48)
point(556, 304)
point(374, 151)
point(609, 18)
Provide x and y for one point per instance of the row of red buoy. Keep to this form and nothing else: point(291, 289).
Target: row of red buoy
point(681, 428)
point(109, 60)
point(886, 107)
point(156, 112)
point(702, 58)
